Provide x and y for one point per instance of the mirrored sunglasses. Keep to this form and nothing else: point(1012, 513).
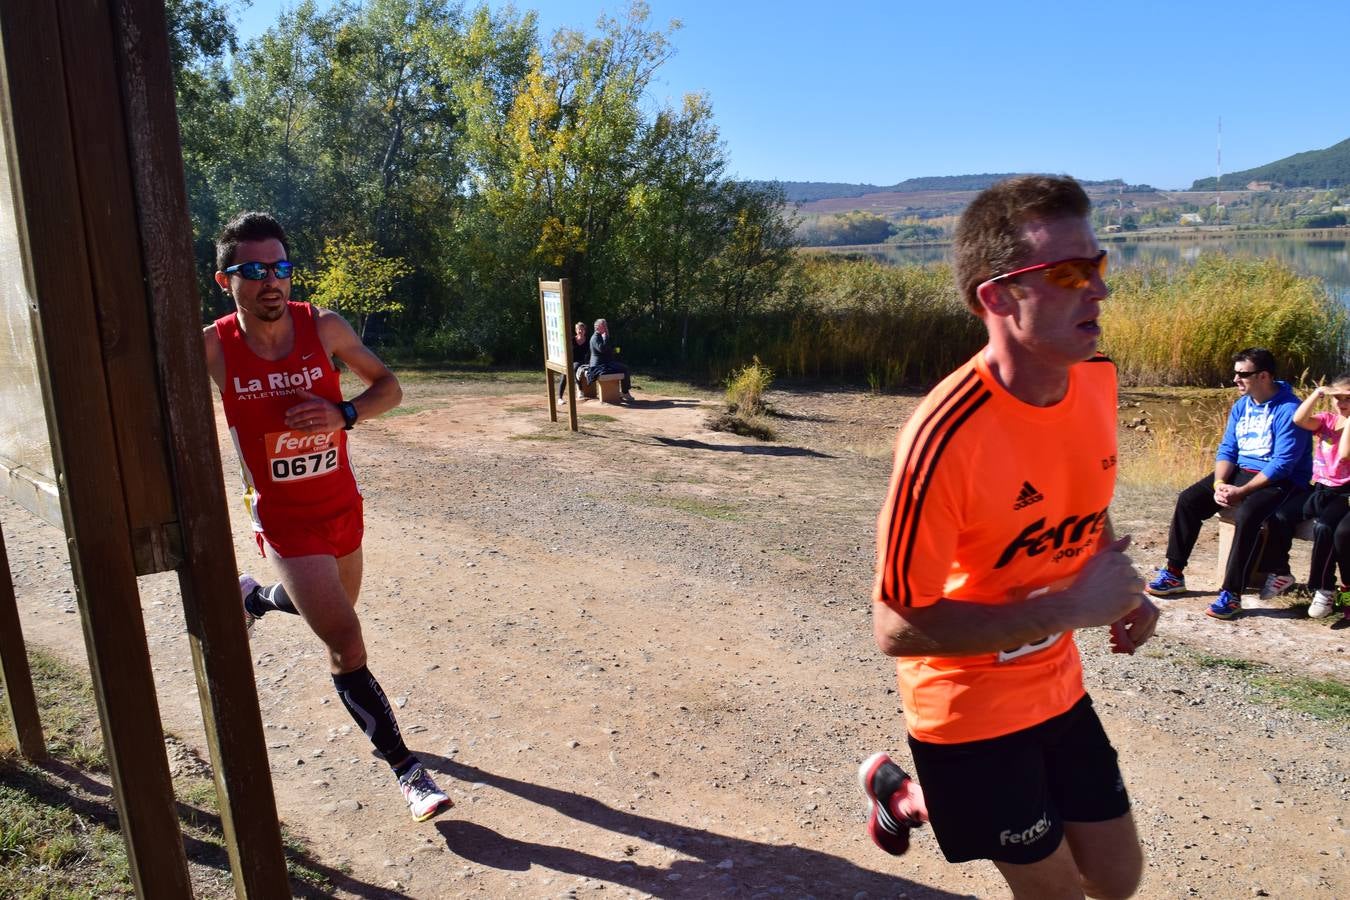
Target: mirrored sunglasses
point(256, 271)
point(1075, 273)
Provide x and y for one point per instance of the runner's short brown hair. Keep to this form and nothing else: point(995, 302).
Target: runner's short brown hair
point(989, 235)
point(247, 226)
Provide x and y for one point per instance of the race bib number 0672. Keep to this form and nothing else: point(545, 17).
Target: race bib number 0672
point(295, 455)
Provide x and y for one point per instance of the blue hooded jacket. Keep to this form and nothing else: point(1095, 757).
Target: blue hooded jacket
point(1262, 437)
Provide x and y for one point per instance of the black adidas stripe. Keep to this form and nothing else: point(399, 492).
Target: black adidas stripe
point(923, 491)
point(904, 489)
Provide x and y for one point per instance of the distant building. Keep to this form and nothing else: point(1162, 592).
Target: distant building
point(1261, 186)
point(1112, 229)
point(1192, 219)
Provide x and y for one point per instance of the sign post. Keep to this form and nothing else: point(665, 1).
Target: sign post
point(555, 310)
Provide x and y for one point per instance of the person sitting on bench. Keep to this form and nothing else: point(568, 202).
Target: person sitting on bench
point(581, 357)
point(1328, 503)
point(1262, 459)
point(603, 361)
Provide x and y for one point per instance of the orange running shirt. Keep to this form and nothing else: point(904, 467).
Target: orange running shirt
point(992, 500)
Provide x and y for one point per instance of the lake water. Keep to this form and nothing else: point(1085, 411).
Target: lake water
point(1328, 260)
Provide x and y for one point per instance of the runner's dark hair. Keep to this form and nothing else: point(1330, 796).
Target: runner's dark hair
point(248, 226)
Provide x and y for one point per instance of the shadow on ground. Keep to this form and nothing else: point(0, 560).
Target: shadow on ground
point(747, 449)
point(721, 865)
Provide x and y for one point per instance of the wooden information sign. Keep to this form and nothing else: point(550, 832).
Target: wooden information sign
point(555, 312)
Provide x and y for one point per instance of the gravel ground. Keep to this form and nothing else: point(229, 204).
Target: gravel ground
point(639, 659)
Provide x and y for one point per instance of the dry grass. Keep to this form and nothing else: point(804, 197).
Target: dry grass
point(1181, 326)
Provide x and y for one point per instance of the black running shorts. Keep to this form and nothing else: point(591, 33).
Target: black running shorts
point(1007, 798)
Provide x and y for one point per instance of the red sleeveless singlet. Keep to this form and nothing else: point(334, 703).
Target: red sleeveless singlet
point(287, 473)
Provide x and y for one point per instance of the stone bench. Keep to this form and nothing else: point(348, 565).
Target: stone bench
point(608, 385)
point(1304, 532)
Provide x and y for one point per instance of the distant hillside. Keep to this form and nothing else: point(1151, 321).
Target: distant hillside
point(811, 191)
point(807, 191)
point(1312, 169)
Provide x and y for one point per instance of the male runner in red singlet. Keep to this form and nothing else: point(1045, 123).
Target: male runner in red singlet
point(993, 546)
point(272, 361)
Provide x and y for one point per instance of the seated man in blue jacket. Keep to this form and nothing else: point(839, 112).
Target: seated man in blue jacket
point(1262, 458)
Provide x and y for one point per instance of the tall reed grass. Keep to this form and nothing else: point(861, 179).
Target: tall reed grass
point(1181, 326)
point(892, 326)
point(857, 319)
point(1180, 451)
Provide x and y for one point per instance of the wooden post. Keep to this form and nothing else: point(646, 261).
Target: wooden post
point(14, 674)
point(59, 208)
point(207, 574)
point(88, 111)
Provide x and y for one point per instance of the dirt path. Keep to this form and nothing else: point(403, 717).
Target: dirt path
point(640, 659)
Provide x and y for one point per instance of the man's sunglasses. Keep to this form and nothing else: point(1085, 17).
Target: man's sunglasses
point(1075, 273)
point(1245, 375)
point(256, 271)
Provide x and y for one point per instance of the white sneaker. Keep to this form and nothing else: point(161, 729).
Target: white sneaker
point(1276, 585)
point(626, 397)
point(424, 798)
point(247, 585)
point(1322, 604)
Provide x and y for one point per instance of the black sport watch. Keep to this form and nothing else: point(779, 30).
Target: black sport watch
point(348, 411)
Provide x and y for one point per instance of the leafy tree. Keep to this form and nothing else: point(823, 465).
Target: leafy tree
point(355, 280)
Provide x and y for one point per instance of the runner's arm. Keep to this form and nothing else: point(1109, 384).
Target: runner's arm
point(1104, 590)
point(383, 391)
point(215, 356)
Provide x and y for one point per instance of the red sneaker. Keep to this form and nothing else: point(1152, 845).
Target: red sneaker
point(896, 803)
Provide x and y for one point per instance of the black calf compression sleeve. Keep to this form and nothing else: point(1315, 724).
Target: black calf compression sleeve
point(365, 700)
point(271, 597)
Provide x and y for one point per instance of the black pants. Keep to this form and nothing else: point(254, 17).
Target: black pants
point(613, 368)
point(1196, 504)
point(562, 379)
point(1327, 507)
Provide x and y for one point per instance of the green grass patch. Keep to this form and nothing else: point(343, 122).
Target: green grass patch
point(522, 409)
point(596, 417)
point(430, 374)
point(648, 387)
point(541, 436)
point(410, 410)
point(1206, 661)
point(1321, 698)
point(693, 506)
point(55, 842)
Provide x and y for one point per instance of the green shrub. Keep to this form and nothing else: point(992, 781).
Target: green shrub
point(746, 387)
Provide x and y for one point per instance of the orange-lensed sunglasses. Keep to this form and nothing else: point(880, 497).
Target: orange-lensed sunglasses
point(1074, 274)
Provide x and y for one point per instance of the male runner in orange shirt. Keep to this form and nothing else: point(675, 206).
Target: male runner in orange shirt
point(994, 545)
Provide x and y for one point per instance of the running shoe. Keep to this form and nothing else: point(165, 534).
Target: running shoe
point(1226, 607)
point(1276, 584)
point(626, 397)
point(896, 803)
point(424, 798)
point(1165, 584)
point(1323, 602)
point(247, 585)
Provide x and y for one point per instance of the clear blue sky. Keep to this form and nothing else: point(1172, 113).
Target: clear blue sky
point(882, 91)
